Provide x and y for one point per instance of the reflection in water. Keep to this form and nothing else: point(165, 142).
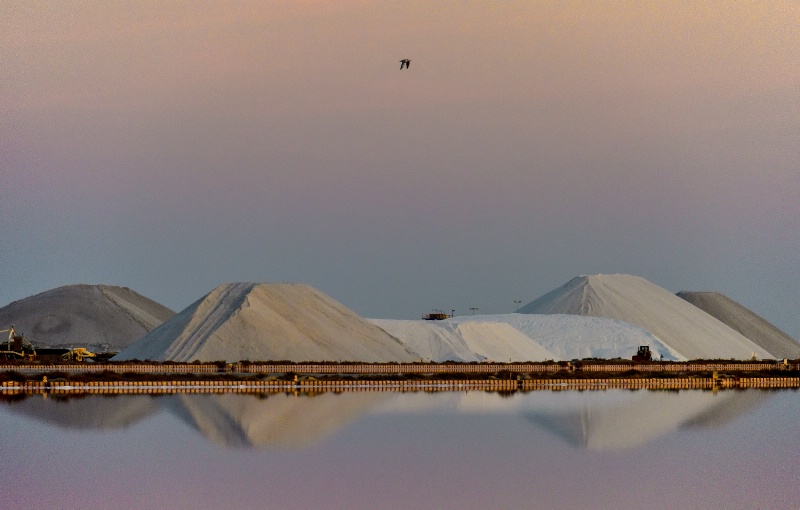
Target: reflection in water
point(277, 420)
point(608, 420)
point(87, 412)
point(622, 420)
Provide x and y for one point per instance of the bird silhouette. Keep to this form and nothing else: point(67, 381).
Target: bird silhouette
point(405, 62)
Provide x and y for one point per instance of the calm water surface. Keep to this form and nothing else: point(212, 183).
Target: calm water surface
point(608, 449)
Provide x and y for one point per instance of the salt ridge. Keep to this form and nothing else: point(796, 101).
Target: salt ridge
point(602, 316)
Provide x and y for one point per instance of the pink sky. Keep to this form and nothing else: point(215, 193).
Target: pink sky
point(174, 146)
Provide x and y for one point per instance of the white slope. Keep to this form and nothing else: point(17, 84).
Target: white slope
point(568, 337)
point(267, 321)
point(433, 340)
point(500, 342)
point(474, 340)
point(519, 337)
point(744, 321)
point(682, 327)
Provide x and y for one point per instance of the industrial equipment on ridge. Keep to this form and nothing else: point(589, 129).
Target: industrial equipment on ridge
point(437, 315)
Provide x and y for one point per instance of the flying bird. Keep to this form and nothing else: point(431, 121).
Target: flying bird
point(405, 62)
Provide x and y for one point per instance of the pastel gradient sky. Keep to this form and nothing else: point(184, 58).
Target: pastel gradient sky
point(174, 146)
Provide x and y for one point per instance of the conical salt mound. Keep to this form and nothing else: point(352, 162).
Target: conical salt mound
point(745, 321)
point(268, 321)
point(681, 326)
point(98, 317)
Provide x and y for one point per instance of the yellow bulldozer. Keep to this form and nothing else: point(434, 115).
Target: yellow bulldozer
point(78, 354)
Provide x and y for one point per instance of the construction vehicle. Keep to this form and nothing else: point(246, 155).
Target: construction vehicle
point(17, 347)
point(643, 354)
point(78, 354)
point(59, 354)
point(436, 315)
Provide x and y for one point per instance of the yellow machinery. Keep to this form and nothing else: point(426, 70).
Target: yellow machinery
point(437, 315)
point(78, 354)
point(20, 349)
point(17, 347)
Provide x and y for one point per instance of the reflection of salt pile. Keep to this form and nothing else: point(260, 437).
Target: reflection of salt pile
point(596, 420)
point(682, 327)
point(93, 316)
point(282, 420)
point(268, 321)
point(720, 306)
point(620, 420)
point(523, 337)
point(92, 412)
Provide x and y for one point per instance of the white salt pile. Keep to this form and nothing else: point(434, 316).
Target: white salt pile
point(679, 325)
point(268, 321)
point(752, 326)
point(98, 317)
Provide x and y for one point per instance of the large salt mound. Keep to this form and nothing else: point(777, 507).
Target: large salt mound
point(681, 326)
point(268, 321)
point(97, 317)
point(746, 322)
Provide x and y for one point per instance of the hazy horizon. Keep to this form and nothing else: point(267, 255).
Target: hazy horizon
point(172, 147)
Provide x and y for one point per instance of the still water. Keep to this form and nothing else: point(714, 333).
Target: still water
point(603, 449)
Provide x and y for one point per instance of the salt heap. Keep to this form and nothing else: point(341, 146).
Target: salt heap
point(97, 317)
point(741, 319)
point(268, 321)
point(679, 325)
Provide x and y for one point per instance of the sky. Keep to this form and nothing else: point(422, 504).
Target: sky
point(174, 146)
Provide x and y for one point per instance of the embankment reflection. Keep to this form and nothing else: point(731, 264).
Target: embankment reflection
point(595, 420)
